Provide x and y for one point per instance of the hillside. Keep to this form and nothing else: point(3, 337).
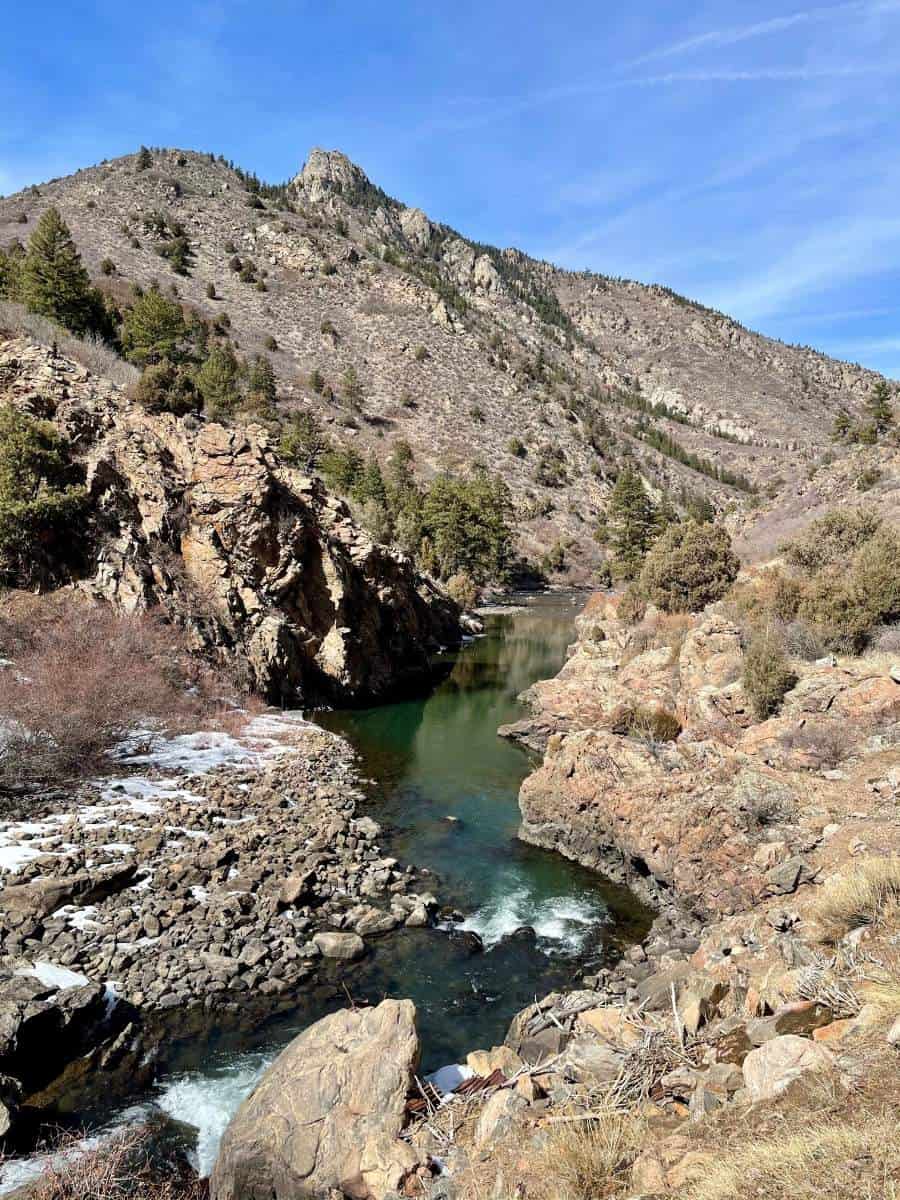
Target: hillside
point(467, 352)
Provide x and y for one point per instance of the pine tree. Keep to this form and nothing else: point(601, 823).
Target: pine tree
point(144, 159)
point(370, 485)
point(351, 386)
point(53, 280)
point(261, 381)
point(217, 382)
point(302, 442)
point(878, 408)
point(842, 427)
point(11, 271)
point(631, 521)
point(42, 508)
point(153, 329)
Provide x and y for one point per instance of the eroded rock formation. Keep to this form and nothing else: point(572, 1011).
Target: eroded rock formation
point(258, 560)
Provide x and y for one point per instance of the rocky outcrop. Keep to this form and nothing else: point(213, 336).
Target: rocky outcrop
point(716, 815)
point(327, 1113)
point(258, 560)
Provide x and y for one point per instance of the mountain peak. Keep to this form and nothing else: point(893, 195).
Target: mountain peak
point(330, 172)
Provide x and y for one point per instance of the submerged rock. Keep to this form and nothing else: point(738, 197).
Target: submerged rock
point(327, 1113)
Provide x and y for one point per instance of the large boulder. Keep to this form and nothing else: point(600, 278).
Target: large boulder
point(775, 1065)
point(327, 1113)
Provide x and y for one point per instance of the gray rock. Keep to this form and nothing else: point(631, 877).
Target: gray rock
point(339, 945)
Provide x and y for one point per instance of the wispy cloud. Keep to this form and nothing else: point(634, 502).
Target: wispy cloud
point(867, 346)
point(864, 245)
point(716, 38)
point(766, 74)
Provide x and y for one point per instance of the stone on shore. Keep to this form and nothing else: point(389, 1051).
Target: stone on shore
point(340, 945)
point(327, 1113)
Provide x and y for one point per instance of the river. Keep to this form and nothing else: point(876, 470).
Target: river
point(444, 787)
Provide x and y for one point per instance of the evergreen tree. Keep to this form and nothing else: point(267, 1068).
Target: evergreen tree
point(144, 159)
point(302, 442)
point(878, 408)
point(631, 522)
point(351, 388)
point(341, 469)
point(404, 499)
point(153, 329)
point(11, 271)
point(261, 381)
point(466, 526)
point(217, 382)
point(53, 281)
point(842, 429)
point(370, 485)
point(41, 507)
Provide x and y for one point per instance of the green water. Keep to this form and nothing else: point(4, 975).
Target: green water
point(446, 791)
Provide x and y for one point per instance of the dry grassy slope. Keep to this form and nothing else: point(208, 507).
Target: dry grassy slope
point(457, 386)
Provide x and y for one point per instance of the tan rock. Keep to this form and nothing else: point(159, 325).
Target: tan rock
point(835, 1031)
point(327, 1113)
point(772, 1067)
point(484, 1062)
point(611, 1024)
point(497, 1116)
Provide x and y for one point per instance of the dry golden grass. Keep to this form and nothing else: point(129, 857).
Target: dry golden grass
point(810, 1162)
point(883, 988)
point(589, 1160)
point(866, 894)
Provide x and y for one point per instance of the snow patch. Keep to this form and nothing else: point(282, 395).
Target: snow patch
point(53, 976)
point(447, 1079)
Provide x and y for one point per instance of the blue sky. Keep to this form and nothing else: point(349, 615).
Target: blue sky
point(745, 154)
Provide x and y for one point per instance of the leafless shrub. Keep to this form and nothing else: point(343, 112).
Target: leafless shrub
point(127, 1166)
point(81, 677)
point(823, 743)
point(802, 641)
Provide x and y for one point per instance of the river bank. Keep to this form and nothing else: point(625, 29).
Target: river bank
point(284, 831)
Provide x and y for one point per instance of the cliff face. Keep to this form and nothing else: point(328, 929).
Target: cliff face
point(724, 815)
point(257, 560)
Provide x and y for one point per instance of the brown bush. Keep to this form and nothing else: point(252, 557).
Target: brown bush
point(463, 589)
point(81, 677)
point(650, 722)
point(632, 606)
point(821, 743)
point(131, 1165)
